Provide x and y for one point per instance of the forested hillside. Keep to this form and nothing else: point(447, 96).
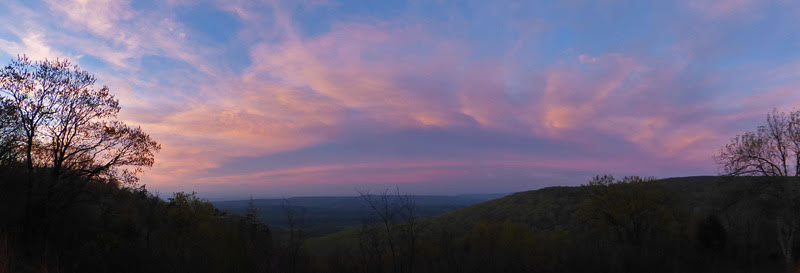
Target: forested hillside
point(691, 224)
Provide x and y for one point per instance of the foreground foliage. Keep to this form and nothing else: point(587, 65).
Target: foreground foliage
point(93, 226)
point(704, 224)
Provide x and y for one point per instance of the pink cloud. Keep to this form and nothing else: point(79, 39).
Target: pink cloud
point(366, 76)
point(394, 171)
point(349, 65)
point(715, 9)
point(99, 16)
point(309, 104)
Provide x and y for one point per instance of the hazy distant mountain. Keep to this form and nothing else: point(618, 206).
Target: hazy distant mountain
point(327, 214)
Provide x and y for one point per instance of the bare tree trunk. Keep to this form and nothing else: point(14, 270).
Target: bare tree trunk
point(28, 192)
point(398, 216)
point(296, 225)
point(786, 229)
point(370, 245)
point(386, 212)
point(787, 221)
point(389, 240)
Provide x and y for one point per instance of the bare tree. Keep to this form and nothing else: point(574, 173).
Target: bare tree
point(65, 123)
point(772, 150)
point(119, 152)
point(78, 110)
point(386, 210)
point(409, 229)
point(296, 225)
point(398, 217)
point(31, 89)
point(69, 124)
point(371, 247)
point(9, 134)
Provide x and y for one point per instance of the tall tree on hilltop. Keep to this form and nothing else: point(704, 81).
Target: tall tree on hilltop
point(69, 125)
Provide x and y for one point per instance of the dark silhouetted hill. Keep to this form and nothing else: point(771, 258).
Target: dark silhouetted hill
point(686, 224)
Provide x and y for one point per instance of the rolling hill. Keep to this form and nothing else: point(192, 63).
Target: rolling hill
point(558, 229)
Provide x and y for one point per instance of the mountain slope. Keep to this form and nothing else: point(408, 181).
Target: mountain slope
point(546, 208)
point(685, 224)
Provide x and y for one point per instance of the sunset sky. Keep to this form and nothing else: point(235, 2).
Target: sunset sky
point(315, 97)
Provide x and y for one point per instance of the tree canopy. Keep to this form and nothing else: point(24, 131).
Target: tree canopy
point(60, 120)
point(771, 150)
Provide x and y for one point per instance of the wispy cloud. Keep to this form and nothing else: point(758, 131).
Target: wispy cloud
point(323, 92)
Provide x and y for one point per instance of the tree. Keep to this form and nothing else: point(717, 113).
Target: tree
point(398, 216)
point(772, 150)
point(370, 247)
point(78, 112)
point(296, 225)
point(636, 214)
point(69, 126)
point(120, 153)
point(632, 208)
point(31, 89)
point(61, 122)
point(9, 134)
point(257, 237)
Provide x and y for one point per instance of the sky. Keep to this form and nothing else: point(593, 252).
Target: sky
point(315, 97)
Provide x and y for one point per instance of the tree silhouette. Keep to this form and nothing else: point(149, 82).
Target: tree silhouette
point(296, 226)
point(9, 134)
point(31, 89)
point(398, 215)
point(69, 126)
point(59, 121)
point(772, 150)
